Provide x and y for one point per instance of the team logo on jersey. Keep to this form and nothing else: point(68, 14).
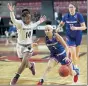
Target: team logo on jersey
point(71, 22)
point(75, 16)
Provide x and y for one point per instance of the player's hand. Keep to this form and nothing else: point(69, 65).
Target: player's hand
point(57, 30)
point(73, 28)
point(10, 7)
point(34, 45)
point(67, 60)
point(42, 19)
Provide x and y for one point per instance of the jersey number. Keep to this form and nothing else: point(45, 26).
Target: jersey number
point(28, 34)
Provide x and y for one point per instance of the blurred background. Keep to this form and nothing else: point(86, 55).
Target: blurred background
point(53, 9)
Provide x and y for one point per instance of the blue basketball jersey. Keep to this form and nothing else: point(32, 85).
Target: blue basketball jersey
point(54, 46)
point(74, 20)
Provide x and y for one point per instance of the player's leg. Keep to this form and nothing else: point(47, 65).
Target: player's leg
point(24, 56)
point(78, 43)
point(77, 51)
point(73, 54)
point(76, 59)
point(20, 69)
point(72, 46)
point(31, 66)
point(73, 72)
point(26, 63)
point(51, 63)
point(75, 63)
point(68, 62)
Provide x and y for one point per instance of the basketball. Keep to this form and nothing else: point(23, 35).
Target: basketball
point(64, 71)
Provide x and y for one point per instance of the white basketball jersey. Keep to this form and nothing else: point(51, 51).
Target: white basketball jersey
point(25, 34)
point(24, 31)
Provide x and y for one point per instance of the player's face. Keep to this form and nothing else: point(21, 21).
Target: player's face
point(48, 31)
point(72, 9)
point(27, 19)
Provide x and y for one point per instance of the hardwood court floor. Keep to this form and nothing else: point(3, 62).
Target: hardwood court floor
point(8, 68)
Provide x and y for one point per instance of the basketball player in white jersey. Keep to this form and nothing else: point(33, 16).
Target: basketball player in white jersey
point(24, 40)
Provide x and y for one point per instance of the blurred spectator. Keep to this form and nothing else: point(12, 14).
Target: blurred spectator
point(0, 19)
point(12, 32)
point(56, 15)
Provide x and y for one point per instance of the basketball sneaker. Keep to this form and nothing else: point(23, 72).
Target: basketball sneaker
point(40, 83)
point(32, 68)
point(77, 73)
point(13, 81)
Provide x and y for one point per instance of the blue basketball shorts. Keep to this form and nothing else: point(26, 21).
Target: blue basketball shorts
point(74, 41)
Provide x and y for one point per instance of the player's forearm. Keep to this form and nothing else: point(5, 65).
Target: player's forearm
point(80, 28)
point(35, 24)
point(14, 20)
point(12, 16)
point(65, 45)
point(59, 26)
point(61, 40)
point(37, 41)
point(41, 20)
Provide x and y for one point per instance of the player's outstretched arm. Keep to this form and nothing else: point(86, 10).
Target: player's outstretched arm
point(12, 16)
point(10, 7)
point(61, 40)
point(41, 20)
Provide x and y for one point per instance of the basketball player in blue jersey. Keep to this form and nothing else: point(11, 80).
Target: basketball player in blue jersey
point(24, 41)
point(59, 52)
point(74, 23)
